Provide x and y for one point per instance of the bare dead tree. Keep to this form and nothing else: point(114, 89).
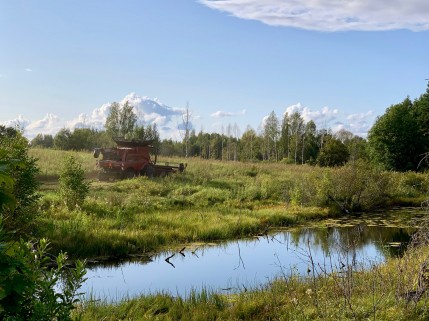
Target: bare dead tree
point(236, 136)
point(222, 143)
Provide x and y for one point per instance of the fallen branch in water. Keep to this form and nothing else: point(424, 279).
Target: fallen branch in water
point(181, 252)
point(194, 252)
point(168, 260)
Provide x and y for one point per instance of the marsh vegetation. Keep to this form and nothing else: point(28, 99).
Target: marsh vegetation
point(214, 201)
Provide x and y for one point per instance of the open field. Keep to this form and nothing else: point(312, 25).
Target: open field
point(50, 161)
point(210, 201)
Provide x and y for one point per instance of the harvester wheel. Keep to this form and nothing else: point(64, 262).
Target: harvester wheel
point(103, 176)
point(149, 171)
point(129, 173)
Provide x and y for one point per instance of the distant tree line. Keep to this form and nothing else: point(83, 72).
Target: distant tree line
point(291, 140)
point(398, 140)
point(78, 139)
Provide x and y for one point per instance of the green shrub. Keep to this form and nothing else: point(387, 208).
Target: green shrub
point(30, 289)
point(22, 168)
point(308, 189)
point(303, 191)
point(358, 186)
point(73, 188)
point(409, 184)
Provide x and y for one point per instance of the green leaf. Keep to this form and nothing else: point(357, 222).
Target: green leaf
point(7, 200)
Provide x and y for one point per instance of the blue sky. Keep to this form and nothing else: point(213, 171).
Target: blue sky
point(234, 61)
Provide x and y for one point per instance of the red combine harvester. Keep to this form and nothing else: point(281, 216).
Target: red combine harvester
point(131, 158)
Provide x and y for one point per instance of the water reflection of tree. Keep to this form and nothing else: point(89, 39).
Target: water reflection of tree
point(353, 238)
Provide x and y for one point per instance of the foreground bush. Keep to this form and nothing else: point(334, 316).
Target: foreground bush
point(31, 288)
point(30, 285)
point(22, 168)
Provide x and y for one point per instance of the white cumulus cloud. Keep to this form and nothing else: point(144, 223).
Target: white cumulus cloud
point(18, 122)
point(148, 111)
point(361, 123)
point(326, 117)
point(222, 114)
point(331, 15)
point(50, 124)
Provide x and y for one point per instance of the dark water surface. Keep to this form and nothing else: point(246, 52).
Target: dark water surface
point(238, 265)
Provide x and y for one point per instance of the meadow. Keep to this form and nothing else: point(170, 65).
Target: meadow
point(210, 201)
point(214, 201)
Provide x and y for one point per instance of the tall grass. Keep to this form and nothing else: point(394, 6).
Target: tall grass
point(131, 221)
point(50, 160)
point(210, 201)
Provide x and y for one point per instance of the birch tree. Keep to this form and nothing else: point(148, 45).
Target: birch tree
point(271, 136)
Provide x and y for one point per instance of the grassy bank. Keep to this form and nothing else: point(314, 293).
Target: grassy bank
point(210, 201)
point(144, 215)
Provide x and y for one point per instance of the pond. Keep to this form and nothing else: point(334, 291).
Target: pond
point(248, 263)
